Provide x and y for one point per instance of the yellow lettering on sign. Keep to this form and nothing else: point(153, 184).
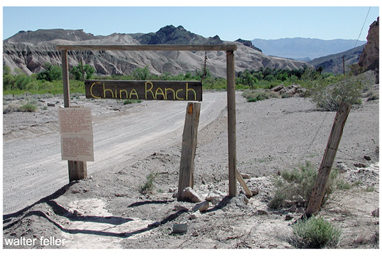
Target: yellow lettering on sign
point(105, 90)
point(159, 91)
point(99, 89)
point(149, 90)
point(189, 89)
point(115, 90)
point(126, 93)
point(169, 89)
point(177, 97)
point(133, 92)
point(91, 90)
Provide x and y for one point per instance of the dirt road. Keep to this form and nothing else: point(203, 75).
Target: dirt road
point(33, 167)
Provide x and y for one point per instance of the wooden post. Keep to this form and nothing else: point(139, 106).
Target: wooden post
point(231, 107)
point(77, 169)
point(328, 159)
point(190, 133)
point(65, 77)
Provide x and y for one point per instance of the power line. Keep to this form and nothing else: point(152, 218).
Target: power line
point(362, 26)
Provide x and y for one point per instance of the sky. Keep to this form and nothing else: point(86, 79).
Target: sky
point(228, 22)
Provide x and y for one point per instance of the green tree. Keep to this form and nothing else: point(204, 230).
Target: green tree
point(258, 75)
point(21, 81)
point(269, 77)
point(282, 76)
point(249, 79)
point(82, 72)
point(51, 73)
point(141, 73)
point(7, 70)
point(8, 78)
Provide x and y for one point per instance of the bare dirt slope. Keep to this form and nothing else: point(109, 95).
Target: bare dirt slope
point(107, 210)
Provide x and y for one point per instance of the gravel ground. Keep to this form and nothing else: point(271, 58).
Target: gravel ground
point(107, 210)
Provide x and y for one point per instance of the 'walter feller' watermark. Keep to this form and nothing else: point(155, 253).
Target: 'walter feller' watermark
point(42, 241)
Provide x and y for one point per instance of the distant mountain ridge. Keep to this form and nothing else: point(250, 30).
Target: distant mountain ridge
point(30, 50)
point(43, 35)
point(334, 63)
point(303, 48)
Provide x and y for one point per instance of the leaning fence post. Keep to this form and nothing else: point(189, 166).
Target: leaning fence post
point(190, 132)
point(328, 159)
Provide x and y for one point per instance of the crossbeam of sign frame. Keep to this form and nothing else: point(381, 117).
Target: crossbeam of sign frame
point(144, 90)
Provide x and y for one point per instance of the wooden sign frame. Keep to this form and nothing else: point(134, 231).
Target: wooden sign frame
point(77, 167)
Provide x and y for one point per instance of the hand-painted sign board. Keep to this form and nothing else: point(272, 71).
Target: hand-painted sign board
point(144, 90)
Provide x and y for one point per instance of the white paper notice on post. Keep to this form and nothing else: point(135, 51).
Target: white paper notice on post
point(77, 147)
point(76, 133)
point(75, 120)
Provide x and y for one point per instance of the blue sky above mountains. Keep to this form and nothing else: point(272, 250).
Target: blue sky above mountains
point(229, 23)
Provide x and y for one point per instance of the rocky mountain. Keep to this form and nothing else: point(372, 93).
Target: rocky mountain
point(334, 63)
point(176, 36)
point(248, 43)
point(29, 50)
point(304, 48)
point(370, 55)
point(366, 55)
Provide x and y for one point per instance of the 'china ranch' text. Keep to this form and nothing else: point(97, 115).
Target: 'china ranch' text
point(144, 90)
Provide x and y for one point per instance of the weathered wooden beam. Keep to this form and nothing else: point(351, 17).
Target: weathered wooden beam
point(231, 107)
point(230, 47)
point(328, 159)
point(190, 133)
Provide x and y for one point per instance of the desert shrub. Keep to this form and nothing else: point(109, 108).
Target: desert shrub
point(343, 185)
point(315, 232)
point(296, 186)
point(128, 101)
point(28, 107)
point(370, 189)
point(46, 85)
point(131, 101)
point(13, 107)
point(329, 97)
point(148, 186)
point(33, 85)
point(259, 94)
